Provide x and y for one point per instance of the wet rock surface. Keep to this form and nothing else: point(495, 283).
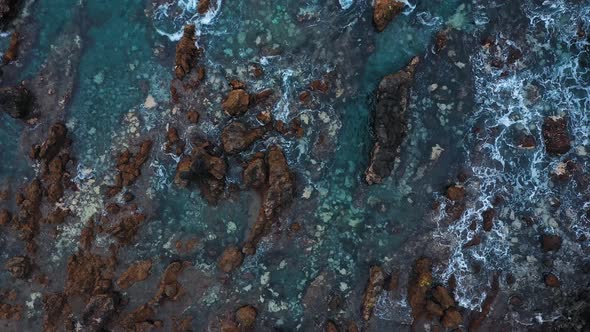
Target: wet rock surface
point(389, 122)
point(385, 11)
point(16, 101)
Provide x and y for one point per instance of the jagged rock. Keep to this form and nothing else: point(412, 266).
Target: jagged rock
point(236, 103)
point(418, 285)
point(85, 272)
point(389, 125)
point(385, 11)
point(55, 306)
point(452, 318)
point(246, 316)
point(19, 266)
point(278, 193)
point(440, 42)
point(236, 137)
point(261, 96)
point(186, 52)
point(374, 287)
point(551, 280)
point(231, 258)
point(126, 227)
point(203, 6)
point(56, 140)
point(129, 166)
point(456, 193)
point(169, 288)
point(16, 101)
point(193, 117)
point(550, 242)
point(255, 173)
point(5, 217)
point(331, 327)
point(138, 271)
point(139, 318)
point(173, 143)
point(556, 136)
point(206, 170)
point(9, 311)
point(443, 297)
point(98, 312)
point(12, 52)
point(488, 217)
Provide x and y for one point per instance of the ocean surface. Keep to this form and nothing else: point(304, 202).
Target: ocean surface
point(465, 118)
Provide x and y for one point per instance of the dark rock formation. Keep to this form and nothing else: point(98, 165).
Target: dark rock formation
point(19, 266)
point(389, 125)
point(203, 6)
point(246, 316)
point(231, 258)
point(374, 287)
point(169, 288)
point(16, 101)
point(129, 166)
point(236, 137)
point(255, 172)
point(138, 271)
point(418, 286)
point(186, 52)
point(12, 52)
point(550, 242)
point(556, 136)
point(205, 169)
point(236, 103)
point(278, 193)
point(8, 11)
point(385, 11)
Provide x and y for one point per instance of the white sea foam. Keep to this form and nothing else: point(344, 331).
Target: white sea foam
point(498, 168)
point(188, 15)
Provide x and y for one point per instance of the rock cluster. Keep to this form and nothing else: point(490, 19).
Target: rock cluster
point(129, 167)
point(389, 122)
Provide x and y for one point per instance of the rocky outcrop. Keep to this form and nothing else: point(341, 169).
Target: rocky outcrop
point(550, 242)
point(87, 273)
point(246, 316)
point(236, 103)
point(236, 137)
point(129, 167)
point(204, 168)
point(389, 122)
point(169, 288)
point(137, 272)
point(372, 291)
point(187, 52)
point(385, 11)
point(418, 286)
point(16, 101)
point(231, 258)
point(255, 173)
point(277, 194)
point(203, 6)
point(12, 52)
point(19, 266)
point(556, 136)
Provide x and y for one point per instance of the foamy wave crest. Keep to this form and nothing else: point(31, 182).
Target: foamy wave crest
point(499, 168)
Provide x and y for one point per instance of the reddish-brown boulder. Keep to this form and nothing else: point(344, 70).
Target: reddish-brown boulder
point(19, 266)
point(138, 271)
point(550, 242)
point(385, 11)
point(236, 137)
point(255, 172)
point(231, 258)
point(556, 136)
point(372, 291)
point(186, 52)
point(246, 316)
point(236, 103)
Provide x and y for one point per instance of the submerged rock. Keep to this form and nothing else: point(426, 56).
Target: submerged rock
point(19, 266)
point(385, 11)
point(556, 136)
point(231, 258)
point(137, 272)
point(16, 101)
point(8, 11)
point(372, 291)
point(236, 137)
point(246, 316)
point(12, 52)
point(389, 125)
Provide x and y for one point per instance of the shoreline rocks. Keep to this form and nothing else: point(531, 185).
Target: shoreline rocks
point(385, 11)
point(187, 52)
point(389, 127)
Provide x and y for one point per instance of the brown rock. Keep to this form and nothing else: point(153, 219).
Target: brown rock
point(441, 41)
point(261, 96)
point(236, 103)
point(278, 194)
point(372, 291)
point(137, 272)
point(551, 280)
point(389, 121)
point(203, 6)
point(475, 241)
point(320, 86)
point(550, 242)
point(246, 316)
point(19, 266)
point(331, 326)
point(385, 11)
point(84, 273)
point(418, 285)
point(186, 52)
point(443, 297)
point(255, 173)
point(434, 308)
point(556, 136)
point(193, 117)
point(236, 137)
point(9, 311)
point(169, 287)
point(12, 52)
point(488, 217)
point(231, 259)
point(452, 318)
point(456, 193)
point(5, 217)
point(55, 306)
